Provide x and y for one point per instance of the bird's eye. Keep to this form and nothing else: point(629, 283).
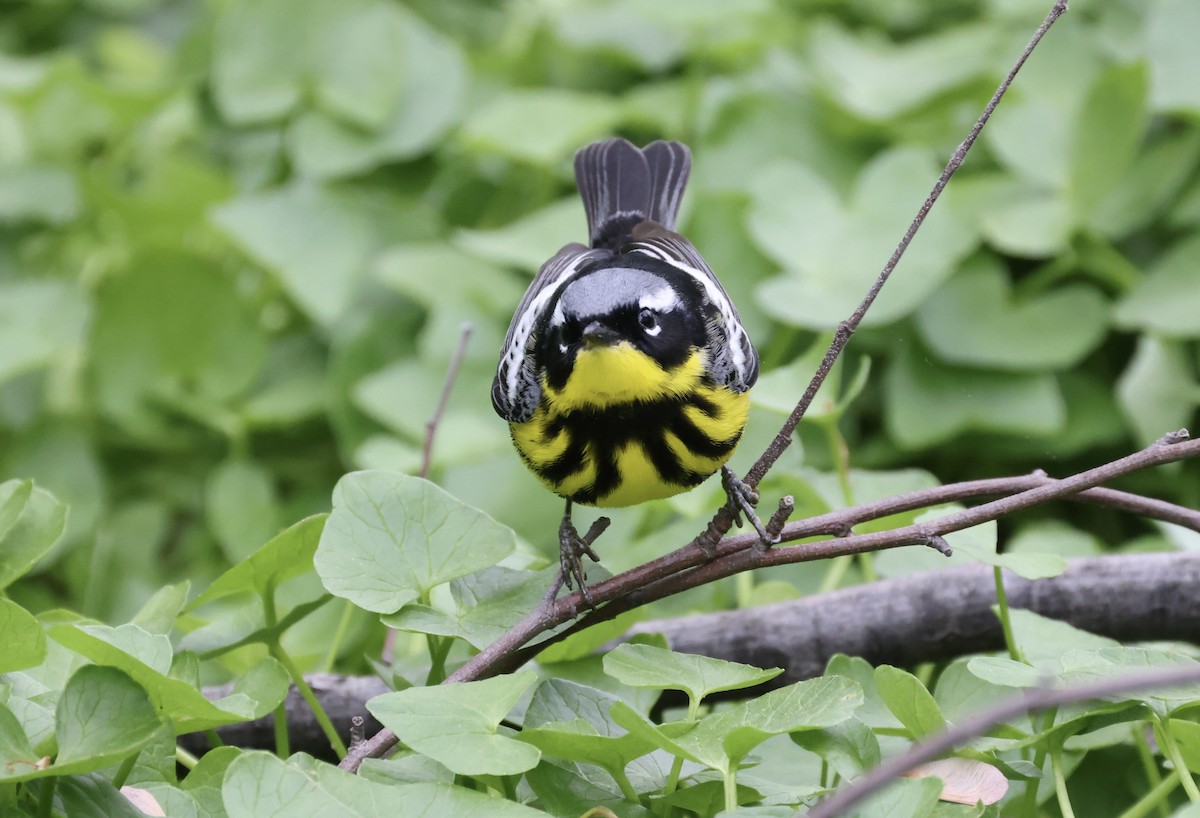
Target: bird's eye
point(648, 320)
point(570, 333)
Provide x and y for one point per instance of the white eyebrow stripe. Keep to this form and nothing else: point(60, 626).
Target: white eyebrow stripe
point(664, 299)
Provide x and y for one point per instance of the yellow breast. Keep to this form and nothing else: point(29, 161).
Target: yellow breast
point(623, 431)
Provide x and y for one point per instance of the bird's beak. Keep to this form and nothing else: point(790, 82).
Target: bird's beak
point(597, 334)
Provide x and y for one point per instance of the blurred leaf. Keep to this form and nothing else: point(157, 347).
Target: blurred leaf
point(242, 506)
point(314, 240)
point(31, 520)
point(1158, 392)
point(1034, 225)
point(834, 250)
point(531, 240)
point(1107, 136)
point(457, 724)
point(38, 320)
point(170, 327)
point(24, 641)
point(407, 268)
point(878, 80)
point(391, 538)
point(1152, 182)
point(1166, 300)
point(432, 83)
point(1053, 331)
point(966, 399)
point(37, 193)
point(1172, 55)
point(270, 54)
point(540, 125)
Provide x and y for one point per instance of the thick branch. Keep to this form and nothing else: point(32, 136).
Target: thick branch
point(944, 614)
point(901, 622)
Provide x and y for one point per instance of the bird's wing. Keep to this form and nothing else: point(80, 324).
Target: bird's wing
point(733, 359)
point(515, 389)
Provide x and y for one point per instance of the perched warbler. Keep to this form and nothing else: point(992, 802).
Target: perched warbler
point(625, 374)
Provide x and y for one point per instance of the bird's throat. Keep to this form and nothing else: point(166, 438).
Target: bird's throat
point(609, 375)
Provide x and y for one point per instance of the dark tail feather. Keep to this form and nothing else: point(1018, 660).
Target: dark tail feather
point(622, 186)
point(670, 163)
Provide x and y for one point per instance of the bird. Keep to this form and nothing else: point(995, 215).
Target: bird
point(625, 374)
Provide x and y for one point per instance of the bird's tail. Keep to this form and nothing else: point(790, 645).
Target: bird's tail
point(623, 185)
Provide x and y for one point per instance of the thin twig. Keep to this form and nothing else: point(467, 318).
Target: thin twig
point(431, 425)
point(685, 568)
point(846, 328)
point(1034, 699)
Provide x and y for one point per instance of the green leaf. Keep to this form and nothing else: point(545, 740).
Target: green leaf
point(1172, 55)
point(171, 330)
point(877, 79)
point(1000, 670)
point(288, 554)
point(204, 781)
point(1053, 331)
point(698, 676)
point(967, 400)
point(1091, 665)
point(908, 699)
point(103, 716)
point(141, 656)
point(1187, 736)
point(158, 614)
point(24, 641)
point(1043, 640)
point(850, 748)
point(1165, 300)
point(259, 785)
point(38, 321)
point(31, 521)
point(578, 740)
point(903, 798)
point(94, 796)
point(457, 724)
point(1108, 133)
point(432, 87)
point(17, 756)
point(391, 538)
point(484, 605)
point(349, 55)
point(40, 193)
point(1027, 565)
point(530, 240)
point(832, 250)
point(1157, 392)
point(1035, 224)
point(540, 125)
point(242, 506)
point(315, 241)
point(719, 741)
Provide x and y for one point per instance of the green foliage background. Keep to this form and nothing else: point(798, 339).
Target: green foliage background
point(238, 241)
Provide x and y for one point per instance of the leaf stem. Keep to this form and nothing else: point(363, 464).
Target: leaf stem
point(338, 635)
point(1010, 640)
point(1185, 777)
point(1153, 775)
point(627, 790)
point(331, 733)
point(1060, 786)
point(185, 759)
point(214, 738)
point(282, 745)
point(46, 797)
point(730, 775)
point(1156, 797)
point(124, 770)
